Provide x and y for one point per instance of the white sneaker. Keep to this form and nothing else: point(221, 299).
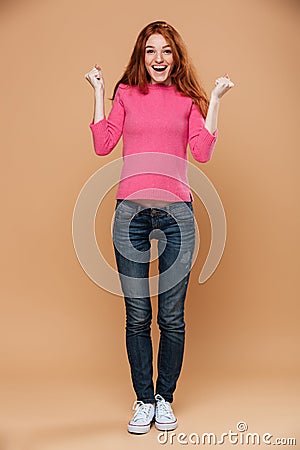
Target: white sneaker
point(164, 416)
point(143, 416)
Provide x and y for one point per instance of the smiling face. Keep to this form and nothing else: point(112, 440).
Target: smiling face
point(158, 59)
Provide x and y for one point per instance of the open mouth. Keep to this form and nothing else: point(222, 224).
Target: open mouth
point(159, 68)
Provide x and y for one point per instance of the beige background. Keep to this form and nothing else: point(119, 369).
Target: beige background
point(65, 381)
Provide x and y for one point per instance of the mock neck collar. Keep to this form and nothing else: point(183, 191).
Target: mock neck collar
point(160, 86)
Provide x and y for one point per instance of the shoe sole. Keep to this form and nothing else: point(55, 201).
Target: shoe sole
point(166, 426)
point(138, 429)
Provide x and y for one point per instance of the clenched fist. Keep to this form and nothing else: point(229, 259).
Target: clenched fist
point(95, 78)
point(223, 84)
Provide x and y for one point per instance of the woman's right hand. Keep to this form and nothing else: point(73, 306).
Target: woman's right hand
point(95, 78)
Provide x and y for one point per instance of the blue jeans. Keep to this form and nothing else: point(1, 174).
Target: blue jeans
point(133, 228)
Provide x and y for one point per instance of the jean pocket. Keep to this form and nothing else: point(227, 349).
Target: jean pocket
point(124, 212)
point(183, 212)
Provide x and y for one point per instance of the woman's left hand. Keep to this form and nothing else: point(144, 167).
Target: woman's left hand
point(223, 84)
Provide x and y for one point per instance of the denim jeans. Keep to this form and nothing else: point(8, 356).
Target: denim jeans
point(133, 228)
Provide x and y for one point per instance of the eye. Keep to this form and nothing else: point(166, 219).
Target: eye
point(168, 51)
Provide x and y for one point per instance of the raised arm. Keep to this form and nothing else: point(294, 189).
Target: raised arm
point(223, 84)
point(98, 105)
point(200, 139)
point(212, 114)
point(106, 132)
point(203, 134)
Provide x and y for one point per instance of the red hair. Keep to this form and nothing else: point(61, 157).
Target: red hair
point(183, 75)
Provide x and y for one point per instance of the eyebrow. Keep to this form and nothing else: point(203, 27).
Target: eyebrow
point(162, 47)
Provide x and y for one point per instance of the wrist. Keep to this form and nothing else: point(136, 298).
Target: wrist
point(214, 99)
point(98, 91)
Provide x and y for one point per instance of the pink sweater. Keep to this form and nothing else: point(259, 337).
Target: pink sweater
point(156, 129)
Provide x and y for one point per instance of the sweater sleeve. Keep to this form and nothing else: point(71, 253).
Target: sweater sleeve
point(201, 141)
point(107, 132)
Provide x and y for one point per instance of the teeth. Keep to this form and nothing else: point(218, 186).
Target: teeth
point(159, 68)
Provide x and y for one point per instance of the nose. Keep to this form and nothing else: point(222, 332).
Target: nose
point(159, 58)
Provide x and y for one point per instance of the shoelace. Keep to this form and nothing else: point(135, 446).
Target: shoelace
point(164, 408)
point(141, 409)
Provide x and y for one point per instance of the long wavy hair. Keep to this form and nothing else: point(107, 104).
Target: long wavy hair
point(183, 75)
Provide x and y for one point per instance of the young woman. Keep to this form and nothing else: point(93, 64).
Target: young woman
point(158, 107)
